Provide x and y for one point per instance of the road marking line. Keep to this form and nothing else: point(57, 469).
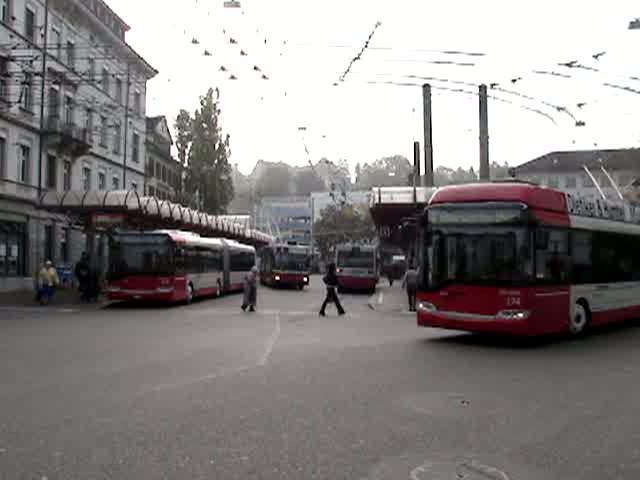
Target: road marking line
point(222, 373)
point(271, 343)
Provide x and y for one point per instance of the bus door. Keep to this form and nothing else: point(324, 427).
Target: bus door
point(226, 268)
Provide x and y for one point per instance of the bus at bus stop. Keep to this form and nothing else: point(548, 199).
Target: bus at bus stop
point(517, 258)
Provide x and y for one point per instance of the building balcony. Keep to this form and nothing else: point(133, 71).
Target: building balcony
point(67, 137)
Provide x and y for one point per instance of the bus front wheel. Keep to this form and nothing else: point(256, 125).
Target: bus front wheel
point(189, 293)
point(580, 317)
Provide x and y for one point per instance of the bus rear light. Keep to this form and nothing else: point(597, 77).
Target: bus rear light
point(513, 314)
point(426, 307)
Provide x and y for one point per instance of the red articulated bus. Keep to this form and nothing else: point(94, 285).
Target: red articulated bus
point(357, 267)
point(175, 266)
point(285, 265)
point(516, 258)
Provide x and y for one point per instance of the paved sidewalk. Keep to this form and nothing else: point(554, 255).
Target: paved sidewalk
point(62, 297)
point(389, 299)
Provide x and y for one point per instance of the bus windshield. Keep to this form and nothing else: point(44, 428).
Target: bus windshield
point(356, 259)
point(488, 252)
point(292, 261)
point(140, 255)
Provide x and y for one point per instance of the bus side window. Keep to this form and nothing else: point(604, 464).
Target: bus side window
point(552, 261)
point(180, 261)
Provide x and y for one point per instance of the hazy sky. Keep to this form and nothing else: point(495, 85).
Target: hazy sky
point(304, 46)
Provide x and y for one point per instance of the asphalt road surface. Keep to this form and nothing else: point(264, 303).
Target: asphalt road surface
point(208, 392)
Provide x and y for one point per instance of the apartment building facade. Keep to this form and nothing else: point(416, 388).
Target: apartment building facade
point(164, 172)
point(72, 118)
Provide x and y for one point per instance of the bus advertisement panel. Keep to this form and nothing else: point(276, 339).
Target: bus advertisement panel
point(285, 265)
point(516, 258)
point(357, 267)
point(174, 266)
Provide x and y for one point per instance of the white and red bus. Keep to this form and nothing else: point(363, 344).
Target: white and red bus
point(174, 266)
point(285, 265)
point(517, 258)
point(357, 267)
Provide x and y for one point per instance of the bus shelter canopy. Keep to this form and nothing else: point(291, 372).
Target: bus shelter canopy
point(391, 206)
point(150, 212)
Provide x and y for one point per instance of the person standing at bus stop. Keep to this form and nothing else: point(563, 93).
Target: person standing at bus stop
point(250, 298)
point(331, 281)
point(410, 282)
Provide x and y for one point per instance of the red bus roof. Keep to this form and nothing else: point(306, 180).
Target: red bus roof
point(534, 196)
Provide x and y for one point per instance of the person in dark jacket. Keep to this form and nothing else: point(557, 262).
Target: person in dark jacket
point(83, 274)
point(410, 282)
point(331, 281)
point(250, 297)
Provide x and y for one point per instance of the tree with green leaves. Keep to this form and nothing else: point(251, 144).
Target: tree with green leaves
point(275, 181)
point(339, 224)
point(205, 152)
point(307, 182)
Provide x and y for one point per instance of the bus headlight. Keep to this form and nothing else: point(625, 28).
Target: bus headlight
point(426, 307)
point(305, 279)
point(513, 314)
point(277, 278)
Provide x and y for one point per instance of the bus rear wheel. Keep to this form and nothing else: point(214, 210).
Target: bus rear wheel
point(580, 317)
point(189, 293)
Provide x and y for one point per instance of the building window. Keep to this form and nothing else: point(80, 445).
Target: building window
point(30, 24)
point(624, 181)
point(66, 175)
point(117, 137)
point(56, 40)
point(553, 182)
point(158, 170)
point(119, 90)
point(151, 191)
point(71, 55)
point(86, 178)
point(105, 80)
point(164, 174)
point(24, 158)
point(3, 157)
point(12, 249)
point(570, 182)
point(4, 79)
point(134, 186)
point(27, 92)
point(89, 125)
point(115, 183)
point(102, 181)
point(104, 131)
point(54, 103)
point(5, 11)
point(136, 103)
point(64, 246)
point(92, 70)
point(48, 242)
point(52, 172)
point(586, 181)
point(135, 148)
point(68, 110)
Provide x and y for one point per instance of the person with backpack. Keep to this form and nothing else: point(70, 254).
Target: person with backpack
point(47, 282)
point(331, 282)
point(410, 282)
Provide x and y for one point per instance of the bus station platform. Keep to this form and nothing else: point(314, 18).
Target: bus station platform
point(389, 299)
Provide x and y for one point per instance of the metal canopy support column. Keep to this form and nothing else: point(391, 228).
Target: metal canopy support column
point(428, 145)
